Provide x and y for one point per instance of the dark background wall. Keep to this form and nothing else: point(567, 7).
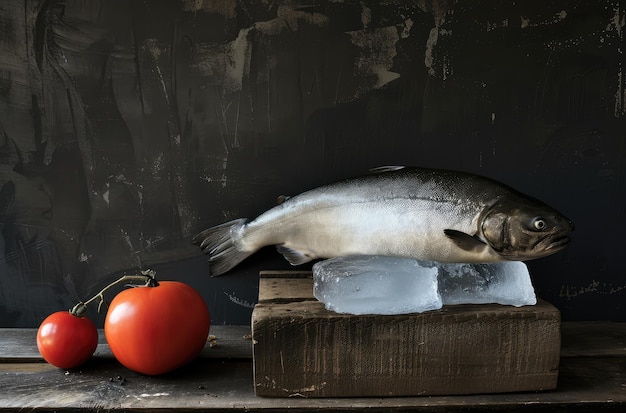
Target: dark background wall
point(128, 126)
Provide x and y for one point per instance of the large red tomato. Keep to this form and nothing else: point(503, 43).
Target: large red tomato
point(153, 330)
point(65, 340)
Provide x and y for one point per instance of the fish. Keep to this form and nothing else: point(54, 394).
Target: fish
point(426, 214)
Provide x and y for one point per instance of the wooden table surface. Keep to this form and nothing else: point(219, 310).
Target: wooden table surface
point(592, 379)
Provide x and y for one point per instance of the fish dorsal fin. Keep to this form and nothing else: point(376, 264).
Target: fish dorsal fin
point(294, 257)
point(465, 241)
point(388, 168)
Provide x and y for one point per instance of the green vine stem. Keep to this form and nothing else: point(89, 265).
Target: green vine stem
point(147, 277)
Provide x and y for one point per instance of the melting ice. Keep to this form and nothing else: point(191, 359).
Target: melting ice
point(375, 285)
point(388, 285)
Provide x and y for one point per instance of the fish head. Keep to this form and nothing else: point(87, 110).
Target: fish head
point(521, 229)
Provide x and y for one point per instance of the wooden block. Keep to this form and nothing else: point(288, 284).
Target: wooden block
point(302, 349)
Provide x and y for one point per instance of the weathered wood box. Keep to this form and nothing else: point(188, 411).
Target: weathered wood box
point(302, 349)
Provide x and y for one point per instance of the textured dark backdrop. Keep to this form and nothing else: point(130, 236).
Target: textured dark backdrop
point(128, 126)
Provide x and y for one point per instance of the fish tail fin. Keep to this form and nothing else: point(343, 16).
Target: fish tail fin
point(220, 243)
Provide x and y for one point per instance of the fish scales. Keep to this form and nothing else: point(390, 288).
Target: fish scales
point(391, 207)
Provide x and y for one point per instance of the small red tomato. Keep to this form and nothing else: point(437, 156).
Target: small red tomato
point(65, 340)
point(153, 330)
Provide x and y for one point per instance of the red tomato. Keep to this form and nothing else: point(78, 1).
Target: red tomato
point(65, 340)
point(153, 330)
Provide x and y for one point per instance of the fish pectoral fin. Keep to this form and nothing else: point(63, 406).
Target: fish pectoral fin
point(294, 257)
point(465, 241)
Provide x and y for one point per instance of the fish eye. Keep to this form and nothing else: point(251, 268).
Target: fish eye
point(539, 223)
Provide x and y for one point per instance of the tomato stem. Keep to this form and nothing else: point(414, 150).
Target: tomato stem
point(148, 277)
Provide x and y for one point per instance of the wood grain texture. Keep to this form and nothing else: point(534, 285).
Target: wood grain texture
point(300, 348)
point(592, 382)
point(20, 344)
point(593, 338)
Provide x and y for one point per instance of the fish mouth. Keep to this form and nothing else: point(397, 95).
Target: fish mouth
point(558, 244)
point(552, 244)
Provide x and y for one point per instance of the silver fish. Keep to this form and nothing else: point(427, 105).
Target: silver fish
point(426, 214)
